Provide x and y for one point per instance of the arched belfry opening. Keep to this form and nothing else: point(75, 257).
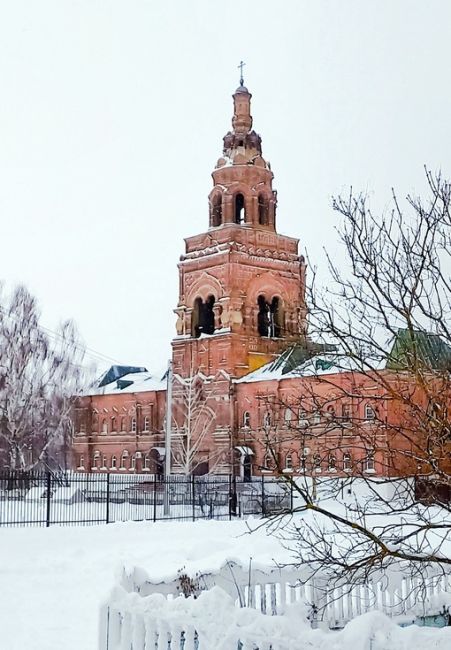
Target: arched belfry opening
point(240, 213)
point(216, 211)
point(203, 319)
point(262, 210)
point(270, 317)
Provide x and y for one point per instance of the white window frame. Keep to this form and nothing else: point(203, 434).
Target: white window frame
point(368, 462)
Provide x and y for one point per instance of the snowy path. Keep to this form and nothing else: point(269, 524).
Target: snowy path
point(53, 580)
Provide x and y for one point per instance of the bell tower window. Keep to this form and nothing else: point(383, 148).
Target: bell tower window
point(262, 210)
point(216, 215)
point(203, 321)
point(270, 317)
point(239, 209)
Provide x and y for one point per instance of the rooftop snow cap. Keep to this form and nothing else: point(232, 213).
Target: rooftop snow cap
point(116, 372)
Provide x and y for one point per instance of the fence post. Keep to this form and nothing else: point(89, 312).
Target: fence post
point(263, 495)
point(107, 514)
point(193, 496)
point(154, 497)
point(48, 497)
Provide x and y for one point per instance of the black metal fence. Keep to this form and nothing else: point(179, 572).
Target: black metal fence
point(46, 498)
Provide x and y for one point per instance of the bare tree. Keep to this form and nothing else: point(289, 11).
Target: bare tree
point(40, 375)
point(194, 420)
point(367, 424)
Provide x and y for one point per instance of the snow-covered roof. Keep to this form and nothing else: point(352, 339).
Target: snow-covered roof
point(328, 363)
point(131, 382)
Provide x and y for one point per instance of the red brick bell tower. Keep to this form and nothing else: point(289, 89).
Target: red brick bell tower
point(242, 285)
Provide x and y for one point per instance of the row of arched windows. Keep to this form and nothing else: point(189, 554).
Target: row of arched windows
point(299, 418)
point(270, 319)
point(137, 461)
point(318, 464)
point(115, 425)
point(239, 210)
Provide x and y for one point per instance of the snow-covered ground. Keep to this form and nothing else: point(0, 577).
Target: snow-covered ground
point(54, 580)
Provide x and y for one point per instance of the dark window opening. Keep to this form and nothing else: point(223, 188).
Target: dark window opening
point(203, 321)
point(262, 210)
point(270, 317)
point(247, 469)
point(217, 211)
point(239, 209)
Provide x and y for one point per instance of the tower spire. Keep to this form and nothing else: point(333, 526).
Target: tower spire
point(241, 66)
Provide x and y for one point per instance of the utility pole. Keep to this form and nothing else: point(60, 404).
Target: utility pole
point(167, 439)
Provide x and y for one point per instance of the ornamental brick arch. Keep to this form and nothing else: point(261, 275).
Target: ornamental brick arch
point(206, 285)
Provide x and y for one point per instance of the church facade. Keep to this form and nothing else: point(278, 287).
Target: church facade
point(246, 394)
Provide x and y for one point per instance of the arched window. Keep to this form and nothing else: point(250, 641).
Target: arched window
point(113, 424)
point(267, 419)
point(262, 210)
point(96, 460)
point(104, 466)
point(122, 424)
point(124, 459)
point(104, 426)
point(268, 463)
point(370, 413)
point(147, 459)
point(332, 463)
point(263, 316)
point(270, 321)
point(316, 463)
point(240, 213)
point(346, 412)
point(287, 416)
point(302, 419)
point(347, 461)
point(203, 318)
point(133, 425)
point(81, 462)
point(289, 461)
point(368, 462)
point(316, 417)
point(113, 462)
point(216, 211)
point(246, 419)
point(276, 317)
point(146, 423)
point(133, 464)
point(330, 412)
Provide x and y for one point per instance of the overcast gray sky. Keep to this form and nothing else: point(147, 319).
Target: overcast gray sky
point(112, 117)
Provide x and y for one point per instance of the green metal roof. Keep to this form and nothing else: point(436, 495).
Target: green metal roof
point(413, 348)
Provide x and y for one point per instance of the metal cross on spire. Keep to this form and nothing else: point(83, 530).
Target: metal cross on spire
point(241, 66)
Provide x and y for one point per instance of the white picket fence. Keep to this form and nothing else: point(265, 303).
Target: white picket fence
point(124, 627)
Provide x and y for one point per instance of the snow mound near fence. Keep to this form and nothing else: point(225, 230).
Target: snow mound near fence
point(220, 623)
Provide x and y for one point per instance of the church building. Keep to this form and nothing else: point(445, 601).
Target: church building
point(246, 397)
